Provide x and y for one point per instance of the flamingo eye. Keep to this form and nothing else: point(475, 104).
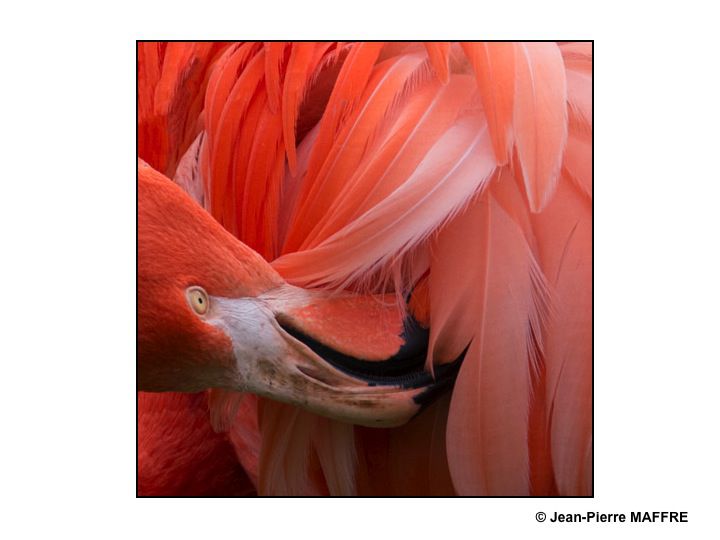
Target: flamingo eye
point(198, 300)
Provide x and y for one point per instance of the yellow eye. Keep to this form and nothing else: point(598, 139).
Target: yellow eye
point(198, 300)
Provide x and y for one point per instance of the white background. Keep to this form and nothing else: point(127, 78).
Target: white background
point(67, 268)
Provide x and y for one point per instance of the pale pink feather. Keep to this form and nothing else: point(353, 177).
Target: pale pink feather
point(422, 119)
point(487, 437)
point(564, 232)
point(540, 118)
point(452, 172)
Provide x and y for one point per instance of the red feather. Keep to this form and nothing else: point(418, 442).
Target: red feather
point(439, 54)
point(494, 67)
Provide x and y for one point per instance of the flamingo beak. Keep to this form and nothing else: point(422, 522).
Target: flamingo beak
point(277, 362)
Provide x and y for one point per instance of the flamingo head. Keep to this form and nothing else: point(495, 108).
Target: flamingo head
point(212, 313)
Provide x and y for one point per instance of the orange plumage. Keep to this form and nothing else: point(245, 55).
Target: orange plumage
point(447, 183)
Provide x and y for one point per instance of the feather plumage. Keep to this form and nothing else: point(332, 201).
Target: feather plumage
point(422, 120)
point(351, 82)
point(488, 421)
point(540, 118)
point(439, 54)
point(451, 172)
point(274, 52)
point(304, 58)
point(494, 67)
point(458, 173)
point(221, 142)
point(180, 454)
point(564, 233)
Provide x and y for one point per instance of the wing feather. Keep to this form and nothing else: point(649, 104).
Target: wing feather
point(274, 53)
point(540, 118)
point(564, 232)
point(494, 67)
point(304, 58)
point(454, 170)
point(439, 54)
point(349, 86)
point(496, 305)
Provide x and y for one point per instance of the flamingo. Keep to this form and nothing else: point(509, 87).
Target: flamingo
point(365, 268)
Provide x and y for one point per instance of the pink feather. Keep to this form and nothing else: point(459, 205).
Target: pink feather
point(540, 118)
point(494, 67)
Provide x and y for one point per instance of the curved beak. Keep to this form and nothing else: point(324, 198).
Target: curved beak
point(280, 362)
